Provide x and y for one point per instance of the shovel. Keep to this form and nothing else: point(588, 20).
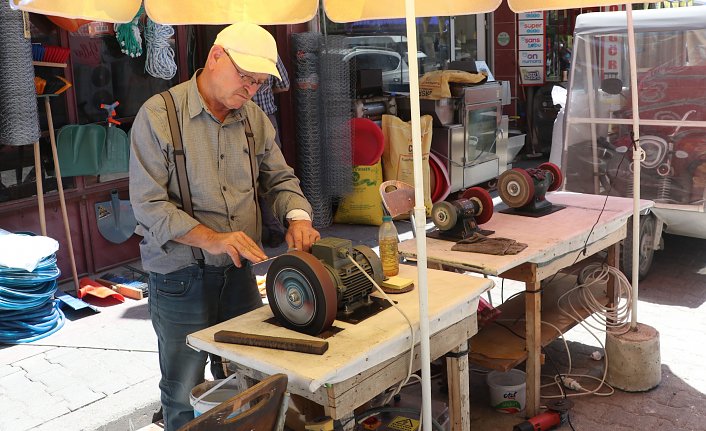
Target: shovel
point(115, 219)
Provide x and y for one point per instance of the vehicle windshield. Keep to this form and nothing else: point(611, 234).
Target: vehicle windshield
point(671, 80)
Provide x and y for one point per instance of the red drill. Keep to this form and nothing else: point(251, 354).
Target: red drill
point(556, 414)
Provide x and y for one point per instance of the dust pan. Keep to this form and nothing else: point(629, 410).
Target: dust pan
point(115, 219)
point(80, 148)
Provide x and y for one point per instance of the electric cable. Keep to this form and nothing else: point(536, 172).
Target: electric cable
point(28, 311)
point(410, 374)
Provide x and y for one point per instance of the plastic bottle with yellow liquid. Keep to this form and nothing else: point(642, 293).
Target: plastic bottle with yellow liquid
point(387, 239)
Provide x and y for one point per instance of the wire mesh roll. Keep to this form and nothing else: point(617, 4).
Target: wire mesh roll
point(322, 93)
point(309, 153)
point(336, 102)
point(19, 122)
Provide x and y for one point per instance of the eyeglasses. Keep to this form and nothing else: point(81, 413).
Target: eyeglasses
point(247, 79)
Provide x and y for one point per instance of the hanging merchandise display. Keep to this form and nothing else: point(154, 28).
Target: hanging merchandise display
point(128, 35)
point(159, 61)
point(19, 122)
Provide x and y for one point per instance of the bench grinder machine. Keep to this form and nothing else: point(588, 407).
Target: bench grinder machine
point(524, 190)
point(307, 292)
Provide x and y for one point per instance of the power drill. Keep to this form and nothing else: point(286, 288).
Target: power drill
point(556, 414)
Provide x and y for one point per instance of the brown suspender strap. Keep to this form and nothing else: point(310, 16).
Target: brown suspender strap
point(180, 165)
point(251, 150)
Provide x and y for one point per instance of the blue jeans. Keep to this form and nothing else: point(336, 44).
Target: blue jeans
point(186, 301)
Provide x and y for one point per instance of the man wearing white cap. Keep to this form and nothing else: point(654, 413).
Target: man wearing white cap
point(200, 266)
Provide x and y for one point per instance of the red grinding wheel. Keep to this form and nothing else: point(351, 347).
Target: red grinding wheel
point(481, 196)
point(516, 188)
point(301, 293)
point(556, 174)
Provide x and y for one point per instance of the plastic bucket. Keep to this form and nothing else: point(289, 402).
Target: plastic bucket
point(507, 390)
point(216, 397)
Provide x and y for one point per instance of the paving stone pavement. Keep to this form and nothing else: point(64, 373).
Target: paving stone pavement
point(100, 372)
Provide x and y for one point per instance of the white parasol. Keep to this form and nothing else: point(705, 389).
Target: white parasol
point(275, 12)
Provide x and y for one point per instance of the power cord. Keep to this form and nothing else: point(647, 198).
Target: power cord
point(411, 327)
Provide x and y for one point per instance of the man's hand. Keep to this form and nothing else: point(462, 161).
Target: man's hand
point(238, 246)
point(301, 235)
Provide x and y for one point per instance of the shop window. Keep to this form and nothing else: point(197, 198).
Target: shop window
point(386, 44)
point(99, 73)
point(17, 167)
point(103, 74)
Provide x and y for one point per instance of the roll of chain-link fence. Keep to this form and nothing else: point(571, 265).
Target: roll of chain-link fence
point(19, 121)
point(322, 94)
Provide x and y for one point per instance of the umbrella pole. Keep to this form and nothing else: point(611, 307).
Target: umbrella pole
point(636, 157)
point(420, 215)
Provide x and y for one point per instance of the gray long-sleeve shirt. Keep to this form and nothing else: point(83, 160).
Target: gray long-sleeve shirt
point(218, 167)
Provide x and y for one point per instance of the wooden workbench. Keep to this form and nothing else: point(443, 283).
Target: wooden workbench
point(366, 358)
point(554, 242)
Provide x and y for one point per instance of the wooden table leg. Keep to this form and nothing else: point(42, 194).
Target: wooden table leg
point(459, 391)
point(533, 329)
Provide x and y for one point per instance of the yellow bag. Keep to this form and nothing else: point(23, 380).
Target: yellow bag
point(397, 159)
point(435, 85)
point(364, 204)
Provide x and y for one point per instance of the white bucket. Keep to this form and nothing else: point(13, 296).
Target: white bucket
point(214, 398)
point(507, 390)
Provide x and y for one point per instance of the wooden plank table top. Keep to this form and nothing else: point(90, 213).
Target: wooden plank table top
point(547, 237)
point(357, 347)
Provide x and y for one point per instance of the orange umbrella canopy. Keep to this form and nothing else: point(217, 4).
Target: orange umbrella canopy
point(274, 12)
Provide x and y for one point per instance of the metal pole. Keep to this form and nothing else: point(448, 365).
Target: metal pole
point(636, 157)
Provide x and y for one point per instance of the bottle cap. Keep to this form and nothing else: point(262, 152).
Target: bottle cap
point(386, 218)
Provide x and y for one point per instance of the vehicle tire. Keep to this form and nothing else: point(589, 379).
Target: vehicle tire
point(648, 225)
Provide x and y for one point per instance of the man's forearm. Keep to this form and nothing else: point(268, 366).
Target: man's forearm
point(200, 236)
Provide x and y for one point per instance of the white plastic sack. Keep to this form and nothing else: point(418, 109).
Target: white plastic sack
point(24, 251)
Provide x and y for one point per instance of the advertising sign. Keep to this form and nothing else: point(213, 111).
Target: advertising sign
point(535, 42)
point(531, 27)
point(530, 44)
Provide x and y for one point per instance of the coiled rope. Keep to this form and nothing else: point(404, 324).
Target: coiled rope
point(159, 61)
point(28, 311)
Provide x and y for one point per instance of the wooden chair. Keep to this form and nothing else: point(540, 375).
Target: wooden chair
point(268, 404)
point(398, 199)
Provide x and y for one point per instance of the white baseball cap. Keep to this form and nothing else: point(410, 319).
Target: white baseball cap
point(250, 46)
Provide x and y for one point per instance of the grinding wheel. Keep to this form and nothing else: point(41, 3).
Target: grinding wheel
point(484, 201)
point(301, 293)
point(516, 188)
point(444, 214)
point(556, 174)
